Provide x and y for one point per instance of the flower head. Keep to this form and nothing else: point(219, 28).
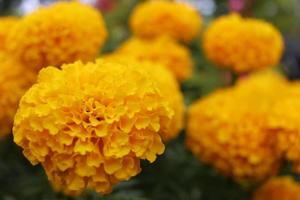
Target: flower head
point(242, 45)
point(61, 33)
point(6, 24)
point(90, 124)
point(162, 17)
point(14, 81)
point(171, 91)
point(178, 60)
point(284, 121)
point(283, 188)
point(168, 86)
point(228, 129)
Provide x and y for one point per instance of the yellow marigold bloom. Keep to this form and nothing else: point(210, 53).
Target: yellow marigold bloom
point(167, 85)
point(90, 124)
point(171, 90)
point(155, 18)
point(61, 33)
point(242, 45)
point(6, 24)
point(228, 129)
point(270, 84)
point(280, 188)
point(284, 120)
point(14, 81)
point(162, 50)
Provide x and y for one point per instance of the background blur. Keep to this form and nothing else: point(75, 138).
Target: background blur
point(176, 175)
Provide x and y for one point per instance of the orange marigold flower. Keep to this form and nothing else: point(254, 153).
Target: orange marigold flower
point(243, 45)
point(171, 91)
point(6, 24)
point(228, 129)
point(284, 120)
point(270, 84)
point(61, 33)
point(155, 18)
point(280, 188)
point(168, 86)
point(178, 59)
point(14, 81)
point(90, 124)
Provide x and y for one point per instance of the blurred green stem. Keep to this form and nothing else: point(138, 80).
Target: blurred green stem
point(247, 10)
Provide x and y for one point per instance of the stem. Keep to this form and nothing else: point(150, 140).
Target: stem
point(247, 10)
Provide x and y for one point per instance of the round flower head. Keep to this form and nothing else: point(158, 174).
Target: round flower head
point(162, 50)
point(161, 17)
point(228, 129)
point(242, 45)
point(284, 121)
point(268, 83)
point(6, 24)
point(14, 81)
point(90, 124)
point(61, 33)
point(280, 188)
point(171, 91)
point(168, 86)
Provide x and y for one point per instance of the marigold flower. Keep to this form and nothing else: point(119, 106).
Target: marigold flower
point(284, 121)
point(61, 33)
point(14, 81)
point(268, 82)
point(6, 24)
point(228, 129)
point(167, 85)
point(171, 91)
point(90, 124)
point(243, 45)
point(178, 60)
point(155, 18)
point(280, 188)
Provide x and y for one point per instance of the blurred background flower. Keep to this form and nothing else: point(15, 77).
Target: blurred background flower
point(283, 188)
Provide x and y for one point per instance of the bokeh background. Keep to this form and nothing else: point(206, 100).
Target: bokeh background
point(176, 175)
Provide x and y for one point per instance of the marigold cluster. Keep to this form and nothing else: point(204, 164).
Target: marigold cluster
point(242, 45)
point(6, 24)
point(168, 86)
point(161, 17)
point(61, 33)
point(90, 124)
point(280, 188)
point(14, 81)
point(228, 129)
point(162, 50)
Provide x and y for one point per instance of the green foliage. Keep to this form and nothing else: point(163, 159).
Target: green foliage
point(283, 13)
point(117, 24)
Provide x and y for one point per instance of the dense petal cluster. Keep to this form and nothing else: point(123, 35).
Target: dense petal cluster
point(161, 17)
point(162, 50)
point(284, 120)
point(242, 44)
point(168, 86)
point(228, 129)
point(6, 24)
point(14, 81)
point(90, 124)
point(61, 33)
point(280, 188)
point(171, 91)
